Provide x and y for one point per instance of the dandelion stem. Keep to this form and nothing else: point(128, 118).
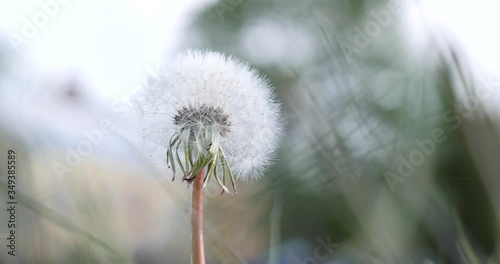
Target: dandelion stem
point(198, 248)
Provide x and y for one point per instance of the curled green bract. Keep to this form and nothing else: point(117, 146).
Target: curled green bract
point(195, 145)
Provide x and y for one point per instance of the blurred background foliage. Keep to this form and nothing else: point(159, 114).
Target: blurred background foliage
point(358, 102)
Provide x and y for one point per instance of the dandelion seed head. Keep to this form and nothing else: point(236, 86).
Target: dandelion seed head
point(219, 106)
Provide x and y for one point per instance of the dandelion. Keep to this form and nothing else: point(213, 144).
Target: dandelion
point(216, 118)
point(214, 112)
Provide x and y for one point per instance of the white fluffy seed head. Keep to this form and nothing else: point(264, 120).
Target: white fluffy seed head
point(222, 101)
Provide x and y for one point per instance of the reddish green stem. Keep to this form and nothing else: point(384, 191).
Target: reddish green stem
point(198, 246)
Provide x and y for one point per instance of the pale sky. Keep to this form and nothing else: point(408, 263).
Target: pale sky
point(474, 23)
point(113, 43)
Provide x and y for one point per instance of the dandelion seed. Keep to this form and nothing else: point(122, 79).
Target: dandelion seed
point(214, 113)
